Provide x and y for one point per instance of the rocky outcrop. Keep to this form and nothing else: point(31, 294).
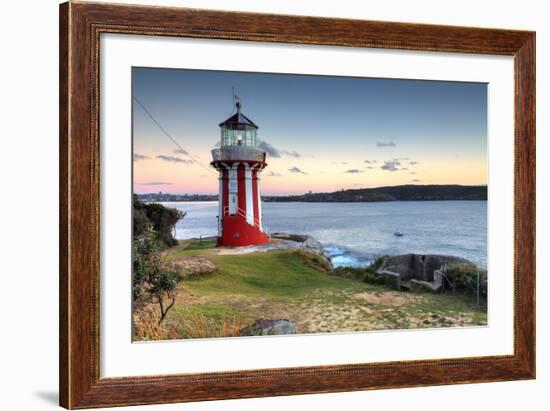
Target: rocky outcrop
point(269, 327)
point(194, 265)
point(307, 244)
point(416, 271)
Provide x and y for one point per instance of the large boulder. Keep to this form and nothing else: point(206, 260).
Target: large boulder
point(194, 265)
point(308, 245)
point(269, 327)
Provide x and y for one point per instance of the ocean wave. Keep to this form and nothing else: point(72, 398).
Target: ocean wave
point(343, 257)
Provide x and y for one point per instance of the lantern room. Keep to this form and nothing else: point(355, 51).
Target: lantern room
point(238, 130)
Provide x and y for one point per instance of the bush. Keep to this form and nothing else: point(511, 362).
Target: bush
point(350, 272)
point(159, 218)
point(465, 281)
point(366, 274)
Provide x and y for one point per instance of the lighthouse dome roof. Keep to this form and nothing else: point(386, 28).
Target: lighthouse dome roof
point(238, 119)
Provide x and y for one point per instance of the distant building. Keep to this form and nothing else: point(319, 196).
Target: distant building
point(239, 162)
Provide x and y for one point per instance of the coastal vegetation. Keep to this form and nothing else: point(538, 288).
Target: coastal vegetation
point(156, 217)
point(154, 279)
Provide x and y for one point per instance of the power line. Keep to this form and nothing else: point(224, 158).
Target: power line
point(182, 150)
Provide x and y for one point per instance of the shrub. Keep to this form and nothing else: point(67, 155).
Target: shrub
point(465, 280)
point(366, 274)
point(372, 278)
point(350, 272)
point(161, 219)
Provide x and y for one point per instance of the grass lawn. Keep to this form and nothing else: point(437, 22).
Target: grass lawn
point(290, 285)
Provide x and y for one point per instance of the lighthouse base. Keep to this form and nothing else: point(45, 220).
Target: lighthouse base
point(237, 234)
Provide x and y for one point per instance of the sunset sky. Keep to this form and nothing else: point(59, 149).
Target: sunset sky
point(322, 133)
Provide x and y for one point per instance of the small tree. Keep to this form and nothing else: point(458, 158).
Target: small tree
point(163, 291)
point(155, 280)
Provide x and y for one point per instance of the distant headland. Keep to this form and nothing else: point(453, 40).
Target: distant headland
point(409, 192)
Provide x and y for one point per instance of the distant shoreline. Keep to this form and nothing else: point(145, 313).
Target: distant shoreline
point(363, 195)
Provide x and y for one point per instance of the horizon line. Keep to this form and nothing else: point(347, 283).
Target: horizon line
point(323, 192)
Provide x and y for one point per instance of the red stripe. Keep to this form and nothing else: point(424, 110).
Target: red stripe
point(242, 188)
point(255, 195)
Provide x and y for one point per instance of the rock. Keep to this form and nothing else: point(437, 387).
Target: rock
point(194, 265)
point(299, 238)
point(308, 245)
point(269, 327)
point(313, 246)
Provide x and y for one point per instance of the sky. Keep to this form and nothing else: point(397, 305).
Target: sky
point(321, 133)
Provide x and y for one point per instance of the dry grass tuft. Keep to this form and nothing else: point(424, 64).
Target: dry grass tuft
point(147, 327)
point(193, 325)
point(199, 326)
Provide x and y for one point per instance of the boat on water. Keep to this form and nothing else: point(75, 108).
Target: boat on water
point(398, 234)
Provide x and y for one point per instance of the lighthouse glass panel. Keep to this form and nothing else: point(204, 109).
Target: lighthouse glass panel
point(242, 136)
point(280, 204)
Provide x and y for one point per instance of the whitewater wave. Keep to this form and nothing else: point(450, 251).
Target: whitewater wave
point(343, 257)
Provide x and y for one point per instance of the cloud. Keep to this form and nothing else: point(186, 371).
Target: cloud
point(275, 152)
point(273, 174)
point(181, 151)
point(174, 159)
point(413, 163)
point(415, 180)
point(391, 165)
point(296, 170)
point(353, 171)
point(155, 183)
point(385, 144)
point(269, 149)
point(139, 157)
point(370, 161)
point(291, 153)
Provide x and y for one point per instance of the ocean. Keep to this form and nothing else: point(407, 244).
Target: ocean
point(354, 234)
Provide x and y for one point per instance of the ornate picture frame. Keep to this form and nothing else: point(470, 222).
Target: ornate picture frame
point(81, 25)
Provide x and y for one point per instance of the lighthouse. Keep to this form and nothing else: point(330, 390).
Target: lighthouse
point(239, 162)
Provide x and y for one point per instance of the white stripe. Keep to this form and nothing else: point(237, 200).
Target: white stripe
point(259, 216)
point(249, 196)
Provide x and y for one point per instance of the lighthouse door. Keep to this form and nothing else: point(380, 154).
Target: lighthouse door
point(233, 191)
point(232, 203)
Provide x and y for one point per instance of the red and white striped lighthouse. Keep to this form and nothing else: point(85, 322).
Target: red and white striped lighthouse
point(239, 162)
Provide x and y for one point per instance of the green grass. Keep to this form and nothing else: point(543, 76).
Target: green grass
point(288, 284)
point(277, 274)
